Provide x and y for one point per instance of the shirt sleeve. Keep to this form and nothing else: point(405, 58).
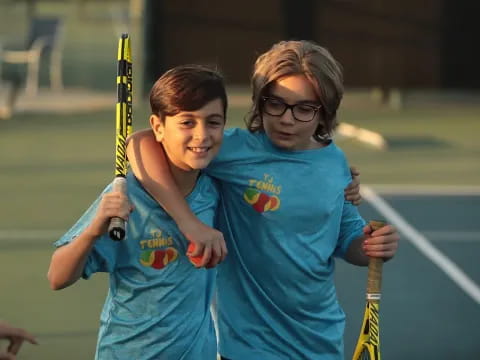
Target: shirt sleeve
point(102, 255)
point(351, 223)
point(351, 227)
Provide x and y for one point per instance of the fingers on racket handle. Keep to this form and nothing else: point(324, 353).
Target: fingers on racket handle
point(120, 184)
point(116, 229)
point(376, 224)
point(375, 265)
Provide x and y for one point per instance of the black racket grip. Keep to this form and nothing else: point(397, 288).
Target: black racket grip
point(116, 228)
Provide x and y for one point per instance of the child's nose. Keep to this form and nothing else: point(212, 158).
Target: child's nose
point(200, 132)
point(287, 118)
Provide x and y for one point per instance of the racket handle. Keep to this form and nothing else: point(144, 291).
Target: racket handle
point(375, 265)
point(116, 229)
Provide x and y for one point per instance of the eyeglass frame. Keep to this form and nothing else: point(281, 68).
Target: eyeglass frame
point(316, 108)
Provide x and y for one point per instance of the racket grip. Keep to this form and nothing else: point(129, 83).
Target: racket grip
point(116, 228)
point(375, 265)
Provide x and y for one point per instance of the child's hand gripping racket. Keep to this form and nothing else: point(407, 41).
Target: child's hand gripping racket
point(368, 344)
point(116, 229)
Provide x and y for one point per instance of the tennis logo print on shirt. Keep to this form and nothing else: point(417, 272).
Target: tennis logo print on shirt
point(157, 252)
point(263, 194)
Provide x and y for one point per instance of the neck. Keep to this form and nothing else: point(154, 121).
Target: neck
point(184, 179)
point(316, 144)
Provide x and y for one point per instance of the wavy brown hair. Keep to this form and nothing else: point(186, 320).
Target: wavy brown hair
point(288, 58)
point(187, 88)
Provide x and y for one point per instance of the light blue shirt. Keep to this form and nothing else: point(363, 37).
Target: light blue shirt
point(158, 304)
point(284, 217)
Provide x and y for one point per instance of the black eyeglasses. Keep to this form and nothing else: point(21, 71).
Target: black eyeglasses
point(301, 112)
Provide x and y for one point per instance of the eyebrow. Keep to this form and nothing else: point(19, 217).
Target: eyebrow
point(309, 102)
point(192, 115)
point(216, 115)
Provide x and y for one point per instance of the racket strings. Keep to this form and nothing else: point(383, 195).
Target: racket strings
point(365, 355)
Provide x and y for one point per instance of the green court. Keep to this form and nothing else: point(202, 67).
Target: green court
point(53, 165)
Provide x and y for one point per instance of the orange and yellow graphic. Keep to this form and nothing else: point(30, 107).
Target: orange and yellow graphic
point(158, 259)
point(260, 201)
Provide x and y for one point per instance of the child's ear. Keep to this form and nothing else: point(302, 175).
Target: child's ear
point(157, 126)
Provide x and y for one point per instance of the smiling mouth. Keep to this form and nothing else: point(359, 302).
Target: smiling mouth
point(198, 149)
point(283, 134)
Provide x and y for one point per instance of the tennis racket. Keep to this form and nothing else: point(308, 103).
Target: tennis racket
point(123, 128)
point(368, 344)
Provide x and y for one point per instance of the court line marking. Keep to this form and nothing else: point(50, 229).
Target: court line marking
point(423, 244)
point(452, 236)
point(442, 190)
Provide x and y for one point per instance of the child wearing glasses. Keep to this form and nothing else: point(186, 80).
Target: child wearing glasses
point(283, 212)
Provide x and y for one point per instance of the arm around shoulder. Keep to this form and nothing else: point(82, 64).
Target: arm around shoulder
point(150, 165)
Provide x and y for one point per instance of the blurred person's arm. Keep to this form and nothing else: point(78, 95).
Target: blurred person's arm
point(16, 337)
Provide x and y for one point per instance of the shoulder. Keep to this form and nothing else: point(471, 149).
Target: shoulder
point(339, 161)
point(335, 150)
point(83, 221)
point(330, 152)
point(237, 144)
point(233, 133)
point(239, 137)
point(205, 195)
point(205, 188)
point(206, 183)
point(331, 161)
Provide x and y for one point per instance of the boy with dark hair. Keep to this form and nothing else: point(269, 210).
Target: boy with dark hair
point(158, 304)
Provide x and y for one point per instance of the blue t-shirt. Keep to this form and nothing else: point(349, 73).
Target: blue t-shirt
point(158, 304)
point(284, 218)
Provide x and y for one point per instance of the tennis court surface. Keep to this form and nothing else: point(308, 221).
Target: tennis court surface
point(54, 165)
point(431, 293)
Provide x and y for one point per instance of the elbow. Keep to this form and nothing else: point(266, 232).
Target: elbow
point(54, 281)
point(54, 286)
point(55, 277)
point(60, 273)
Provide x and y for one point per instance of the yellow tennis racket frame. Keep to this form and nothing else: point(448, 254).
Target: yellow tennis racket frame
point(369, 339)
point(123, 126)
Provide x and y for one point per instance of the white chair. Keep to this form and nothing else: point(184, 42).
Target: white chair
point(45, 36)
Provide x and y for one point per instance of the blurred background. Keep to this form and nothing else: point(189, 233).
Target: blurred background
point(410, 121)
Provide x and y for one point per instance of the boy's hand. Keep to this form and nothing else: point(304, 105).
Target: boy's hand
point(113, 204)
point(382, 243)
point(209, 247)
point(352, 191)
point(16, 336)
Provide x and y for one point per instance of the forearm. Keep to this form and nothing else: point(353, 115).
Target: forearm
point(355, 254)
point(68, 261)
point(150, 166)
